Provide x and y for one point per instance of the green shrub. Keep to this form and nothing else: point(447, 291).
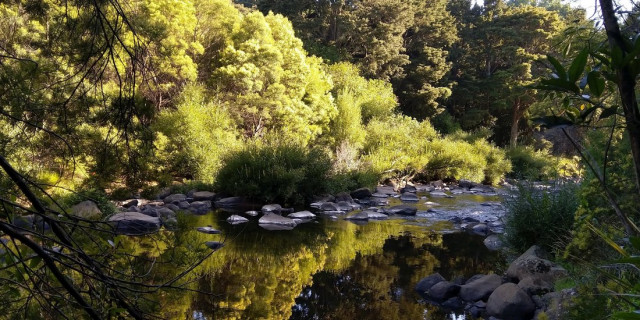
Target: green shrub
point(99, 197)
point(532, 164)
point(351, 180)
point(275, 172)
point(539, 216)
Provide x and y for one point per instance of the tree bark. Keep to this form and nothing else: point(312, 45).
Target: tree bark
point(626, 83)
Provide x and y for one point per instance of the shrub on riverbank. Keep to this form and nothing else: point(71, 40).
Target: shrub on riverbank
point(540, 216)
point(275, 172)
point(532, 164)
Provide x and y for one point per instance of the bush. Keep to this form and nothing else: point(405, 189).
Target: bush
point(540, 216)
point(532, 164)
point(351, 180)
point(275, 172)
point(99, 197)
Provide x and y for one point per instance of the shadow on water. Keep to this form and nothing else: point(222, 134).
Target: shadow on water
point(329, 269)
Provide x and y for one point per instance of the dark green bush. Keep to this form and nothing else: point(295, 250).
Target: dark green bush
point(99, 197)
point(352, 180)
point(540, 216)
point(275, 172)
point(532, 164)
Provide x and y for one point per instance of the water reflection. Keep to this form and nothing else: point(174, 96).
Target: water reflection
point(326, 270)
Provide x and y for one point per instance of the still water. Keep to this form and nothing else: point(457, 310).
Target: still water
point(328, 269)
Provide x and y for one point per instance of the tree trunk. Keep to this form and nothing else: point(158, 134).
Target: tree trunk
point(513, 138)
point(626, 83)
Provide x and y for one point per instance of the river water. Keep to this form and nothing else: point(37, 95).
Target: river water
point(331, 268)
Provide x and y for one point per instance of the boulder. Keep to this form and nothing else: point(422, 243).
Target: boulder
point(409, 197)
point(403, 210)
point(150, 211)
point(510, 302)
point(380, 195)
point(302, 215)
point(438, 194)
point(271, 208)
point(208, 230)
point(175, 198)
point(535, 286)
point(130, 203)
point(203, 195)
point(345, 206)
point(467, 184)
point(427, 282)
point(86, 210)
point(558, 304)
point(329, 206)
point(183, 205)
point(170, 223)
point(229, 202)
point(200, 207)
point(438, 184)
point(361, 193)
point(442, 291)
point(409, 189)
point(252, 213)
point(480, 229)
point(165, 213)
point(134, 223)
point(453, 303)
point(493, 242)
point(172, 207)
point(343, 196)
point(389, 190)
point(272, 218)
point(236, 219)
point(481, 288)
point(532, 264)
point(373, 215)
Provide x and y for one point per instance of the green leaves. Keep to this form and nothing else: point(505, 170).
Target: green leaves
point(596, 83)
point(578, 65)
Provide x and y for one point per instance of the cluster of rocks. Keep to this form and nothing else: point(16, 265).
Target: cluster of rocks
point(272, 217)
point(526, 290)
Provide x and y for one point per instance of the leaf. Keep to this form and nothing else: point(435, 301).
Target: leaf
point(558, 68)
point(635, 242)
point(577, 66)
point(596, 83)
point(35, 261)
point(607, 112)
point(560, 85)
point(633, 260)
point(626, 315)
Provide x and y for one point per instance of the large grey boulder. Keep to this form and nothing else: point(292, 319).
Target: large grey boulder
point(509, 302)
point(361, 193)
point(86, 210)
point(427, 282)
point(442, 291)
point(373, 215)
point(532, 264)
point(272, 218)
point(165, 213)
point(175, 198)
point(271, 208)
point(343, 196)
point(481, 288)
point(345, 205)
point(229, 202)
point(200, 207)
point(203, 195)
point(535, 286)
point(329, 206)
point(362, 215)
point(134, 223)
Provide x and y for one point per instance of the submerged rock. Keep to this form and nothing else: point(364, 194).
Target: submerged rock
point(358, 216)
point(229, 202)
point(272, 218)
point(403, 210)
point(409, 197)
point(208, 230)
point(236, 219)
point(214, 245)
point(302, 215)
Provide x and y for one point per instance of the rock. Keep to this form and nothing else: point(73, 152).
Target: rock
point(453, 303)
point(130, 203)
point(170, 223)
point(373, 215)
point(531, 264)
point(150, 211)
point(302, 215)
point(480, 229)
point(229, 202)
point(208, 230)
point(200, 207)
point(276, 227)
point(87, 210)
point(389, 190)
point(252, 213)
point(380, 195)
point(493, 242)
point(409, 188)
point(474, 278)
point(329, 206)
point(134, 223)
point(429, 203)
point(483, 189)
point(361, 193)
point(175, 198)
point(480, 289)
point(272, 218)
point(214, 245)
point(426, 283)
point(271, 208)
point(409, 197)
point(402, 209)
point(344, 206)
point(558, 304)
point(163, 193)
point(236, 219)
point(467, 184)
point(437, 184)
point(442, 291)
point(133, 209)
point(172, 207)
point(535, 286)
point(333, 213)
point(165, 213)
point(343, 196)
point(358, 216)
point(203, 195)
point(184, 205)
point(509, 302)
point(438, 194)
